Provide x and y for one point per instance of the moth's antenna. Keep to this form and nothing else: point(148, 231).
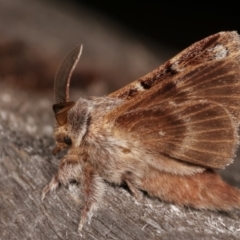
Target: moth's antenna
point(64, 73)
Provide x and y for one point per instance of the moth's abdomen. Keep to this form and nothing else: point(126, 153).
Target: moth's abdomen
point(202, 190)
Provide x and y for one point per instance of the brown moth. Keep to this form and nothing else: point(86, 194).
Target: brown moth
point(165, 133)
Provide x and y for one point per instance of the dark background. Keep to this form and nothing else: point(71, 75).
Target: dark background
point(173, 23)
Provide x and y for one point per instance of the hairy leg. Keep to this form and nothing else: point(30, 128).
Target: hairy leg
point(92, 184)
point(128, 178)
point(64, 173)
point(93, 188)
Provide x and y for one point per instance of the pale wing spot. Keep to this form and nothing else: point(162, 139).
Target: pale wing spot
point(173, 103)
point(161, 133)
point(219, 50)
point(138, 87)
point(175, 66)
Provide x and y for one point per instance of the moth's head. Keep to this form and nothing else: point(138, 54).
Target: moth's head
point(73, 120)
point(61, 132)
point(62, 104)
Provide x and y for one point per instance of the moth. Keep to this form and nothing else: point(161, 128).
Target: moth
point(166, 133)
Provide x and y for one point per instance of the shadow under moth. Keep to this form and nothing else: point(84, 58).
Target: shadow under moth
point(165, 133)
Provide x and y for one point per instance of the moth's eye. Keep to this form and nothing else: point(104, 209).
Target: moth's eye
point(67, 140)
point(73, 182)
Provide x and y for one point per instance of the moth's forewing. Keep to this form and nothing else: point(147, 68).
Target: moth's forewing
point(198, 132)
point(216, 81)
point(208, 70)
point(215, 47)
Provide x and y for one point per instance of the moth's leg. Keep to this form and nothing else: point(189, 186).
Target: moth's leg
point(128, 178)
point(54, 183)
point(64, 173)
point(93, 190)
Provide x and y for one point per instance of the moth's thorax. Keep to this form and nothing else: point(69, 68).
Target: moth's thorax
point(86, 118)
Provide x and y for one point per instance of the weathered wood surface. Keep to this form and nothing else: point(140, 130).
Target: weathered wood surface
point(27, 165)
